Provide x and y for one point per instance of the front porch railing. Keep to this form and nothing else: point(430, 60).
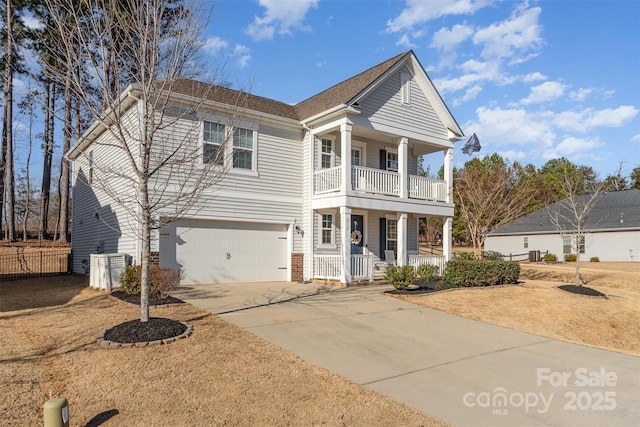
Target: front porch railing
point(377, 181)
point(327, 180)
point(427, 189)
point(327, 267)
point(437, 260)
point(330, 267)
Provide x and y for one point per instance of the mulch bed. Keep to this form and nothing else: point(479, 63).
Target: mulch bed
point(421, 288)
point(135, 331)
point(581, 290)
point(153, 301)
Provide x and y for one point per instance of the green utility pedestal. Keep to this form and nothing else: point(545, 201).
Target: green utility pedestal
point(56, 412)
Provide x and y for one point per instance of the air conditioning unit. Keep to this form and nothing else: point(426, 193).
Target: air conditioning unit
point(105, 270)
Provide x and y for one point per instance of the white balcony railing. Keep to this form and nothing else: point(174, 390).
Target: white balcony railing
point(327, 180)
point(362, 267)
point(376, 181)
point(427, 189)
point(418, 260)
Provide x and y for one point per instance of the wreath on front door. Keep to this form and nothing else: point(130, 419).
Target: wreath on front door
point(356, 237)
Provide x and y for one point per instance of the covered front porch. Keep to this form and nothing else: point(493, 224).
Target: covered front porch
point(356, 244)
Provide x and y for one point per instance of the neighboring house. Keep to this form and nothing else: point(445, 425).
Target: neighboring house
point(325, 188)
point(612, 231)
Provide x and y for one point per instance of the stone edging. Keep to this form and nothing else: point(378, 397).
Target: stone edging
point(106, 343)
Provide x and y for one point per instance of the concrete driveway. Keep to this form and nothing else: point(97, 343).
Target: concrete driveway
point(465, 372)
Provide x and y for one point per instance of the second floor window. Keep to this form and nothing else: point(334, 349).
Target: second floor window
point(243, 149)
point(326, 153)
point(392, 161)
point(213, 136)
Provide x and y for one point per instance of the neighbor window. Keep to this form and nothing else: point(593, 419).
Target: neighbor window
point(327, 229)
point(566, 245)
point(243, 149)
point(526, 242)
point(581, 245)
point(405, 88)
point(213, 136)
point(392, 235)
point(326, 153)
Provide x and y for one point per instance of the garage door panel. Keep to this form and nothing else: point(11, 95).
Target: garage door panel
point(223, 252)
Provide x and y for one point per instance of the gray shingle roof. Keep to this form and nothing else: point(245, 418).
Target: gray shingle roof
point(614, 210)
point(339, 94)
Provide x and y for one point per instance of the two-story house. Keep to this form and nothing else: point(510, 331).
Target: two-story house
point(322, 189)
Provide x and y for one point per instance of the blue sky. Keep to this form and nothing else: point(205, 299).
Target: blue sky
point(534, 80)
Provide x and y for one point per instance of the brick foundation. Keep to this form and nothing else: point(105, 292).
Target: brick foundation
point(297, 267)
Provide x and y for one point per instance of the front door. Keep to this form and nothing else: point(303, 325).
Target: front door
point(357, 234)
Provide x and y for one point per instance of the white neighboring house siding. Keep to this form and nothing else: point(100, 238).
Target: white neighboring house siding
point(113, 226)
point(270, 194)
point(607, 246)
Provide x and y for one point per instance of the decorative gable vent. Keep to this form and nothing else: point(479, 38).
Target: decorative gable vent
point(405, 88)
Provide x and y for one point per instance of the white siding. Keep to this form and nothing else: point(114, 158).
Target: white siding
point(384, 107)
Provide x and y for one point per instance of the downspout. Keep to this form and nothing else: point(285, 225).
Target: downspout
point(311, 232)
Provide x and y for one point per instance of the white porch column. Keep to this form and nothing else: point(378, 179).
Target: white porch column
point(447, 238)
point(403, 166)
point(402, 239)
point(311, 229)
point(345, 237)
point(345, 155)
point(448, 173)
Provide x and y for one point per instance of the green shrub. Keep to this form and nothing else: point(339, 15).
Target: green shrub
point(492, 256)
point(428, 272)
point(463, 256)
point(162, 280)
point(570, 257)
point(400, 277)
point(481, 273)
point(549, 257)
point(594, 259)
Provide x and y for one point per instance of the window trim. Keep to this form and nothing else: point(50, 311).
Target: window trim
point(525, 242)
point(332, 231)
point(387, 239)
point(228, 160)
point(395, 153)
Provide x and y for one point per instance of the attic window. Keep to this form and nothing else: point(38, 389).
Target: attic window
point(405, 88)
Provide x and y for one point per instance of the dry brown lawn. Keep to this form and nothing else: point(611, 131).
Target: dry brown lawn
point(220, 375)
point(538, 307)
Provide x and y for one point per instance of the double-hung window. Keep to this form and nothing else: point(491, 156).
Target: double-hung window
point(327, 229)
point(243, 149)
point(213, 136)
point(568, 241)
point(326, 153)
point(392, 235)
point(392, 161)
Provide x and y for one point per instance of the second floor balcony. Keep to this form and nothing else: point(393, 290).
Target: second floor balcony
point(380, 182)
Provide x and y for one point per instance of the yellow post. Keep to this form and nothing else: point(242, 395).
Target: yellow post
point(56, 412)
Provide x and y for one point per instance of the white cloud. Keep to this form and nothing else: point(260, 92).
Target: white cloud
point(447, 39)
point(545, 92)
point(417, 12)
point(513, 155)
point(587, 119)
point(474, 72)
point(514, 126)
point(580, 94)
point(405, 41)
point(243, 55)
point(636, 138)
point(280, 17)
point(534, 77)
point(573, 148)
point(471, 94)
point(519, 34)
point(214, 45)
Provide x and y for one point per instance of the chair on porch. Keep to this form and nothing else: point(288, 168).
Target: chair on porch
point(390, 257)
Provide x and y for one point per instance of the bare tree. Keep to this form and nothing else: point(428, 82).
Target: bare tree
point(571, 216)
point(7, 128)
point(150, 122)
point(489, 193)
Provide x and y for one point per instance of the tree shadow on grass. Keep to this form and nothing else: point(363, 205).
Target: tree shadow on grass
point(102, 418)
point(40, 292)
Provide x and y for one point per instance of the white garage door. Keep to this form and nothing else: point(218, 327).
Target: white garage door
point(224, 252)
